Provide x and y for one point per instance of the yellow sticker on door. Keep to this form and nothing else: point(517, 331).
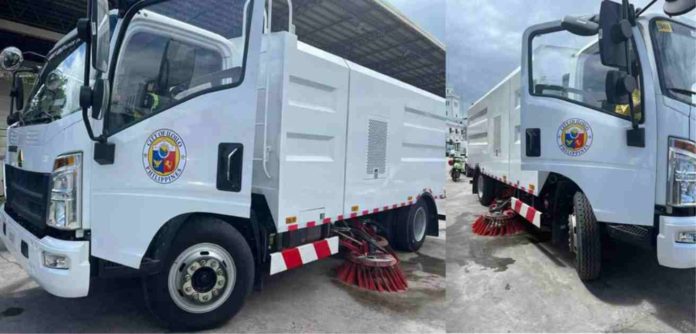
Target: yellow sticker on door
point(664, 26)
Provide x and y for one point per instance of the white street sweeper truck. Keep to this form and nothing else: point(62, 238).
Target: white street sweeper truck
point(595, 135)
point(183, 142)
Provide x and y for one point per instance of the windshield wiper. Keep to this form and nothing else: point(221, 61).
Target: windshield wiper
point(682, 91)
point(39, 120)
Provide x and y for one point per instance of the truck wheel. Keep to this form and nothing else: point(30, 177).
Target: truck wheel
point(411, 227)
point(585, 238)
point(485, 189)
point(206, 276)
point(456, 174)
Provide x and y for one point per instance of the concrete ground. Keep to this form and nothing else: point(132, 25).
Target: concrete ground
point(523, 284)
point(308, 299)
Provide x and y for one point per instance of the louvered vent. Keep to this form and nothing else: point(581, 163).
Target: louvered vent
point(376, 148)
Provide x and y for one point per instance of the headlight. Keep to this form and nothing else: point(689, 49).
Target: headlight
point(64, 211)
point(681, 190)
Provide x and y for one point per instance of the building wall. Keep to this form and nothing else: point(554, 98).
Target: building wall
point(456, 136)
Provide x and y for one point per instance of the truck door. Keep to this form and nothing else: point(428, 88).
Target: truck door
point(182, 120)
point(570, 128)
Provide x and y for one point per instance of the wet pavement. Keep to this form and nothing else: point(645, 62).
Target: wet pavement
point(307, 299)
point(522, 283)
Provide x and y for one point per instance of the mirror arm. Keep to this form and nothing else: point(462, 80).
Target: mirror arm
point(83, 32)
point(629, 61)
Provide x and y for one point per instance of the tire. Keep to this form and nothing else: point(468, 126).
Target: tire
point(411, 227)
point(455, 175)
point(485, 189)
point(223, 243)
point(587, 237)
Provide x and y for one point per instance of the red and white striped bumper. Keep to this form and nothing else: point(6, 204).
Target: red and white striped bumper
point(299, 256)
point(527, 212)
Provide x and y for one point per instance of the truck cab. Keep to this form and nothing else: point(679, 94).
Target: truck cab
point(611, 121)
point(69, 159)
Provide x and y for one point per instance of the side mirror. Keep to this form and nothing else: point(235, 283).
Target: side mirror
point(100, 97)
point(678, 7)
point(18, 93)
point(614, 33)
point(100, 34)
point(581, 26)
point(11, 59)
point(619, 87)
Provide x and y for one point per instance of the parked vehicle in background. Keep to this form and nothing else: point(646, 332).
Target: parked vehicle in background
point(184, 152)
point(607, 148)
point(457, 163)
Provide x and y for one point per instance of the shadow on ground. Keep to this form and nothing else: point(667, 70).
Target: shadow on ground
point(631, 278)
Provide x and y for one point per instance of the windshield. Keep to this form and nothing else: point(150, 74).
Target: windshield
point(57, 91)
point(675, 45)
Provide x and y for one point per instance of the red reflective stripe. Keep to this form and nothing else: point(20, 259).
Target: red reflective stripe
point(292, 258)
point(518, 205)
point(311, 224)
point(292, 227)
point(322, 248)
point(530, 214)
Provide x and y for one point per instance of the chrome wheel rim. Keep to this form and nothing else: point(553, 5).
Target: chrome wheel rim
point(202, 278)
point(419, 224)
point(572, 233)
point(479, 186)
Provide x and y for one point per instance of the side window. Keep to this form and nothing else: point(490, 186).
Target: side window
point(173, 51)
point(568, 67)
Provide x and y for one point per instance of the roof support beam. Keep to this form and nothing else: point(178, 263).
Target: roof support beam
point(23, 29)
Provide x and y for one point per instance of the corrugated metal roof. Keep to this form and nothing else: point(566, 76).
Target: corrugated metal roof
point(371, 33)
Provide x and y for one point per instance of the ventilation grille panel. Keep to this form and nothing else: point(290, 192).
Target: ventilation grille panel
point(376, 147)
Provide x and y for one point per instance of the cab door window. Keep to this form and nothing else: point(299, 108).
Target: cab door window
point(568, 67)
point(173, 51)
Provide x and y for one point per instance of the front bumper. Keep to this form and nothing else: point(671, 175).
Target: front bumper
point(671, 253)
point(28, 251)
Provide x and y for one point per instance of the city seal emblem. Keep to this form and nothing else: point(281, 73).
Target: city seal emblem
point(574, 137)
point(164, 156)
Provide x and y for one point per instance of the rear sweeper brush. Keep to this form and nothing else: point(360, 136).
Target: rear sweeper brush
point(370, 262)
point(499, 220)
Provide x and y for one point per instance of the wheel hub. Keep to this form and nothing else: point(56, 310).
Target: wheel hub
point(479, 183)
point(419, 224)
point(202, 278)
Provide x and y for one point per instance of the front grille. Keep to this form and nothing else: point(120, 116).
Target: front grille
point(27, 198)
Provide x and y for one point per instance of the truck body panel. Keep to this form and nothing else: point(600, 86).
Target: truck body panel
point(329, 122)
point(496, 148)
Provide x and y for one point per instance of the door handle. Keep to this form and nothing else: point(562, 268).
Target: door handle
point(533, 142)
point(230, 167)
point(229, 164)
